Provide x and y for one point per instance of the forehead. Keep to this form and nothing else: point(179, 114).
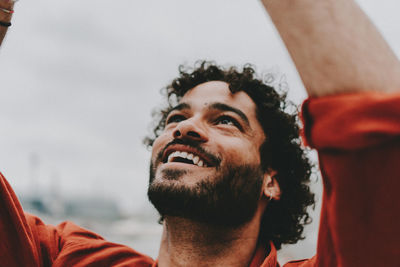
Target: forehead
point(217, 91)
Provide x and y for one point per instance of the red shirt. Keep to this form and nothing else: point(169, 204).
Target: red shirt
point(358, 140)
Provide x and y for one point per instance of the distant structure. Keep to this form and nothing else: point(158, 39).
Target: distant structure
point(48, 202)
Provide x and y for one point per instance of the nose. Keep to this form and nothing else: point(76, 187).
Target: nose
point(190, 129)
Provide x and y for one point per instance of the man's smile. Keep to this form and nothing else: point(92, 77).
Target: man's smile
point(185, 157)
point(186, 154)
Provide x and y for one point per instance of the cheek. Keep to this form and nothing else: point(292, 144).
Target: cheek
point(240, 152)
point(158, 144)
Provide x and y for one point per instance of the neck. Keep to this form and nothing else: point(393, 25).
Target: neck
point(189, 243)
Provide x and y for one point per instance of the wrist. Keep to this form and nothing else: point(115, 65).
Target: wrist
point(6, 11)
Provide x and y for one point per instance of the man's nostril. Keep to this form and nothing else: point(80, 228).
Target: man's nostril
point(177, 133)
point(193, 134)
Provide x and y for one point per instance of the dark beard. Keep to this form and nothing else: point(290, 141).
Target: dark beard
point(229, 199)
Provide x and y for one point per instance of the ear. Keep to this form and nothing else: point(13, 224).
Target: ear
point(271, 187)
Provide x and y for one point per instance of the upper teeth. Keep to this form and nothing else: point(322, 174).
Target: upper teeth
point(196, 160)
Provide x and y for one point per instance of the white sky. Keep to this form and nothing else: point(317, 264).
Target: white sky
point(79, 80)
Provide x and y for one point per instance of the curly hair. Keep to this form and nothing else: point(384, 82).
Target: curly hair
point(283, 220)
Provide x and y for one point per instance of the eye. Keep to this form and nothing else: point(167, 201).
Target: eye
point(227, 120)
point(175, 118)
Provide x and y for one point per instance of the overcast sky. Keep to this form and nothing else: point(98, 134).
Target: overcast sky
point(79, 80)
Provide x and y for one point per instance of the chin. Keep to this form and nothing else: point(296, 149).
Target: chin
point(222, 198)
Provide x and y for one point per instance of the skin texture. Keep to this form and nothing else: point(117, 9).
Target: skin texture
point(227, 139)
point(5, 17)
point(335, 47)
point(206, 244)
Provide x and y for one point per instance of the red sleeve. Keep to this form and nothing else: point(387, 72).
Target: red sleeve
point(80, 247)
point(358, 140)
point(27, 241)
point(17, 246)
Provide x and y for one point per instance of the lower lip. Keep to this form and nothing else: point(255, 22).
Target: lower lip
point(181, 164)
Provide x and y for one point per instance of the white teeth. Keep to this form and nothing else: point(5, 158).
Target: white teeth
point(196, 160)
point(172, 155)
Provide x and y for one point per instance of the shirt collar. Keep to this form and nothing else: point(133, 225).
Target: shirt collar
point(264, 259)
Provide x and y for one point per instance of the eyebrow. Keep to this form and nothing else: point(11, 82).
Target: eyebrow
point(215, 106)
point(180, 106)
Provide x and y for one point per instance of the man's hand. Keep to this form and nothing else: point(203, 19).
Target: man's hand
point(334, 46)
point(6, 11)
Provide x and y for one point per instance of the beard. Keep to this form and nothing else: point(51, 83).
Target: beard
point(229, 198)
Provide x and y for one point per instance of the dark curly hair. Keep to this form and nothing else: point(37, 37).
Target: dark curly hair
point(283, 221)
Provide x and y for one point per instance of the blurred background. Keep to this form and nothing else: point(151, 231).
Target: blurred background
point(78, 82)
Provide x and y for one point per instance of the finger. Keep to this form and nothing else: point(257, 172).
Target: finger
point(6, 10)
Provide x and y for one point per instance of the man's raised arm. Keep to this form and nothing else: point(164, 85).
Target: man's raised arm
point(334, 46)
point(6, 10)
point(336, 49)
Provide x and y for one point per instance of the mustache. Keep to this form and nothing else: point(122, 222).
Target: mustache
point(215, 160)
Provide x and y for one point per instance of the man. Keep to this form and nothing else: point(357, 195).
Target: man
point(216, 177)
point(228, 166)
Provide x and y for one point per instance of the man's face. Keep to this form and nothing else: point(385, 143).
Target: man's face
point(206, 164)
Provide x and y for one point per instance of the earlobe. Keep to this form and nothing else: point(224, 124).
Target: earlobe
point(271, 186)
